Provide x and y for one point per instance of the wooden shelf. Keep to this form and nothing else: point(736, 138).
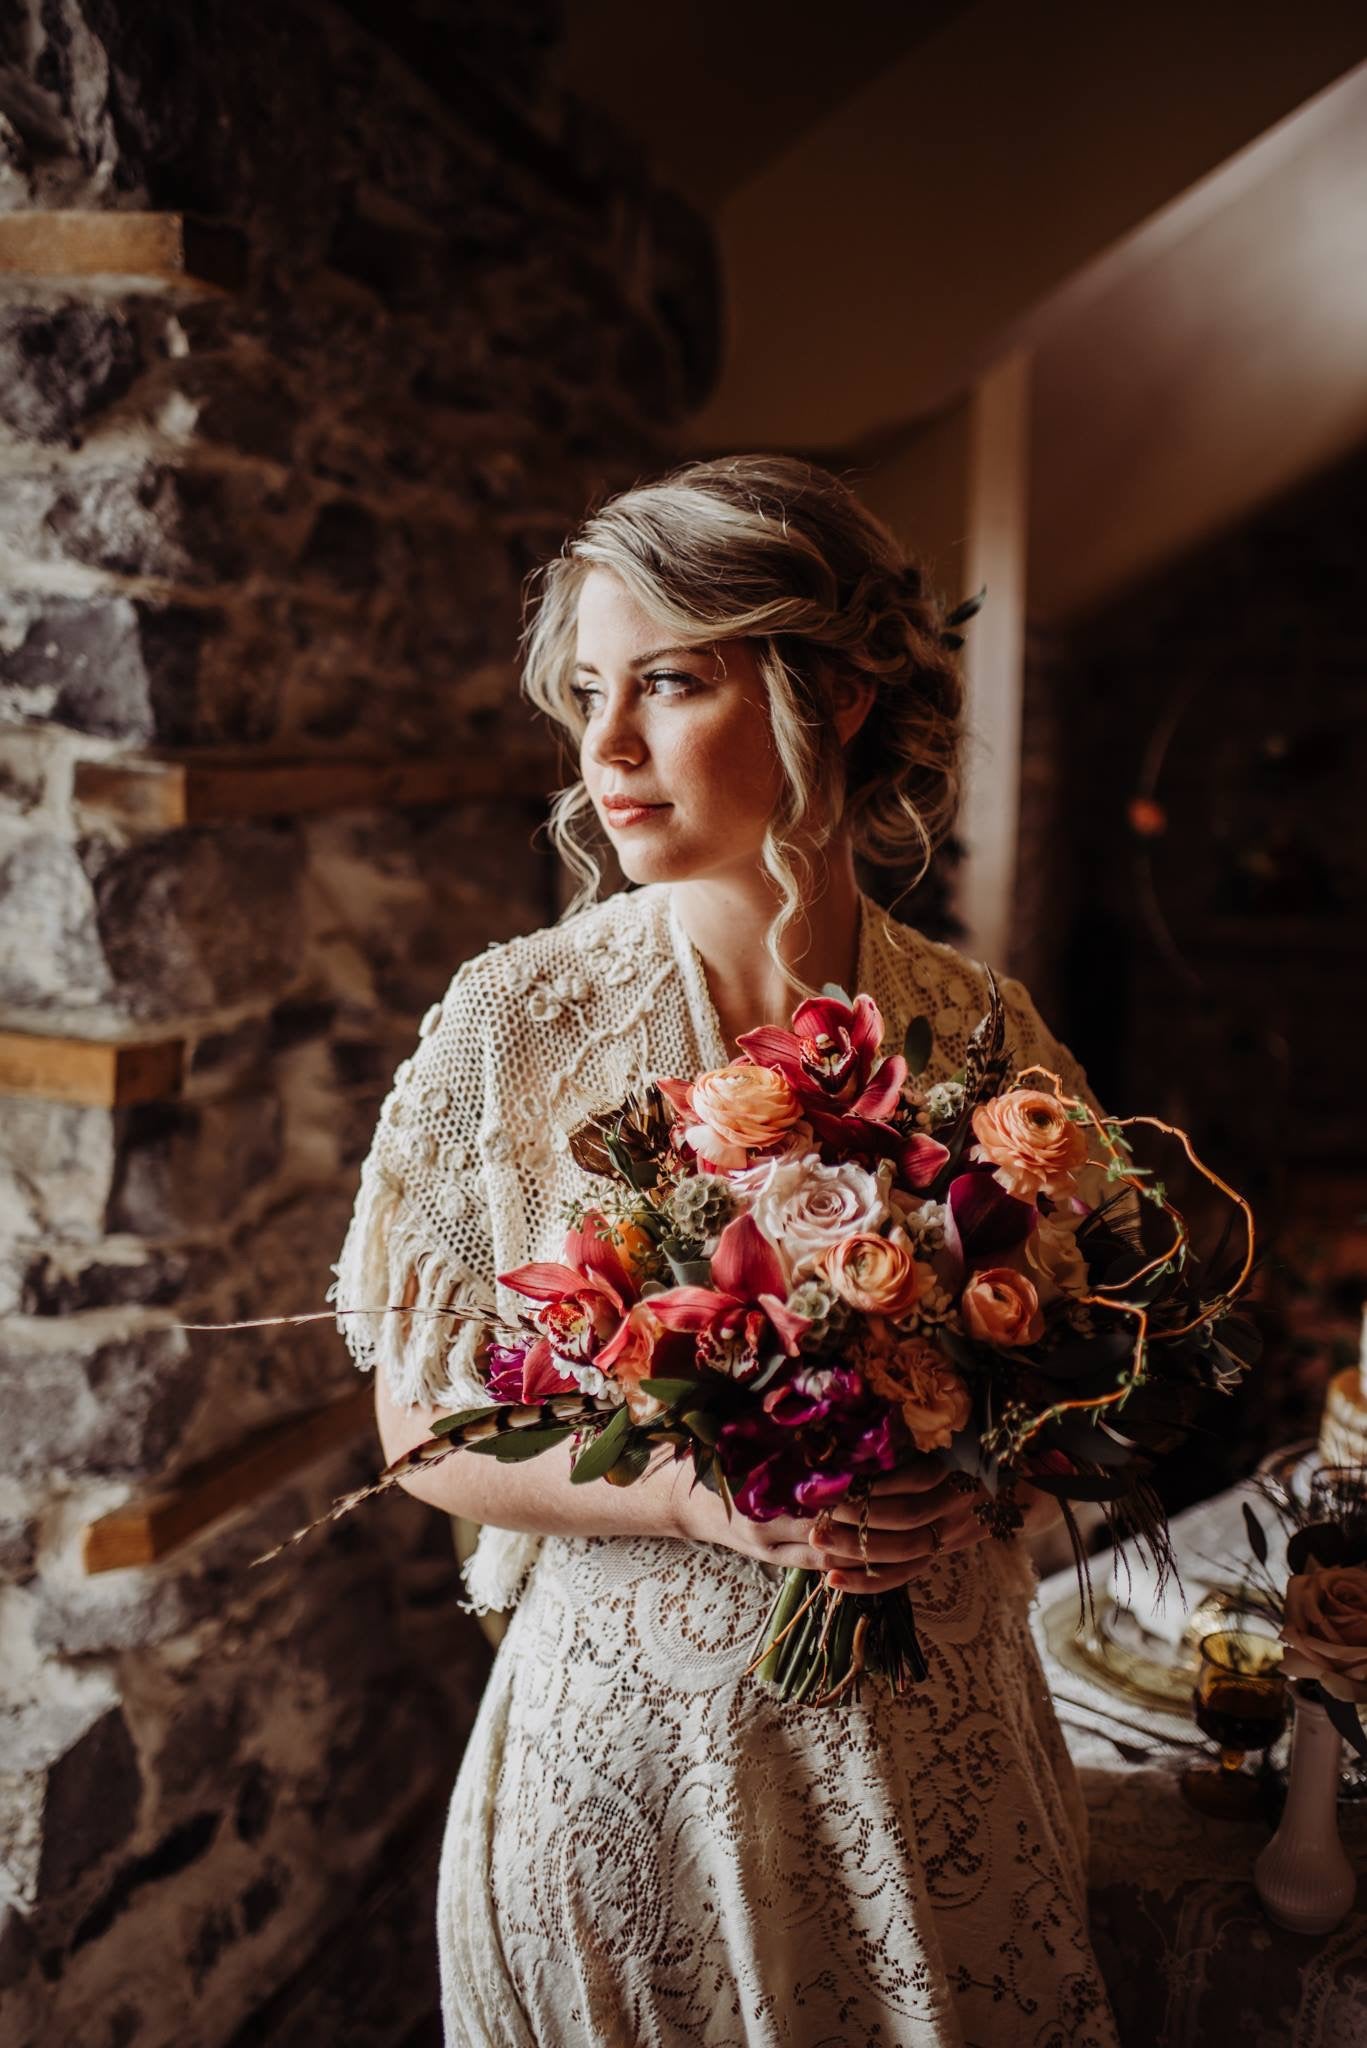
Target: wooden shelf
point(173, 248)
point(100, 1074)
point(163, 793)
point(146, 1531)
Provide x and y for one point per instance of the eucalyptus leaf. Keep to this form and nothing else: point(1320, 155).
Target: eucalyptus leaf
point(599, 1456)
point(691, 1272)
point(836, 993)
point(512, 1446)
point(702, 1423)
point(631, 1465)
point(444, 1425)
point(669, 1390)
point(916, 1047)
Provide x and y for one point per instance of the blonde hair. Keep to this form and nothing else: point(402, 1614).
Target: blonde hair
point(781, 553)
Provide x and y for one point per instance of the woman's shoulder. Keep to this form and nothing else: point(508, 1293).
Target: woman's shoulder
point(603, 946)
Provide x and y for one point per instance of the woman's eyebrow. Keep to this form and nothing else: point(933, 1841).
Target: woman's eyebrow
point(658, 654)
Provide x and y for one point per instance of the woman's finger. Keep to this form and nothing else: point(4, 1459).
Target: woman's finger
point(904, 1511)
point(916, 1478)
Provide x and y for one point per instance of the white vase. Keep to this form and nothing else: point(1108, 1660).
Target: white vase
point(1303, 1878)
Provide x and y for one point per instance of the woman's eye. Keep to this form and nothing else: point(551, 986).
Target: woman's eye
point(684, 683)
point(583, 696)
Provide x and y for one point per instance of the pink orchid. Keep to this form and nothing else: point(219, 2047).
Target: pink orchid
point(828, 1059)
point(746, 1301)
point(588, 1296)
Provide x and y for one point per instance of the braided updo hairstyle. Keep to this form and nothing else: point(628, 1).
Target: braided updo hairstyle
point(781, 553)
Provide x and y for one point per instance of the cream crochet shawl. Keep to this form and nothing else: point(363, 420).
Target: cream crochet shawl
point(470, 1169)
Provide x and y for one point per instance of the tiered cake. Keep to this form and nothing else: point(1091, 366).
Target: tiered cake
point(1343, 1430)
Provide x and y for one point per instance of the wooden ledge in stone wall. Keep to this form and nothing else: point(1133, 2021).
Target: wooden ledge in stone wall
point(170, 248)
point(100, 1074)
point(163, 793)
point(145, 1531)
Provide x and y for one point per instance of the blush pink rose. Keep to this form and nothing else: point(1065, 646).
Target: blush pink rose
point(1026, 1135)
point(1000, 1306)
point(739, 1109)
point(1325, 1629)
point(876, 1275)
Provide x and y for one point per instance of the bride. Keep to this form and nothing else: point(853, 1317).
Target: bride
point(645, 1848)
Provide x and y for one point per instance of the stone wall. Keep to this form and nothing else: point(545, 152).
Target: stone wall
point(292, 518)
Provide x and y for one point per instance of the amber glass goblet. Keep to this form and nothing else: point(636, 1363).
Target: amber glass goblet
point(1239, 1701)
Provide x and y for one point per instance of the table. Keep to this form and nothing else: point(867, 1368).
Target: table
point(1190, 1957)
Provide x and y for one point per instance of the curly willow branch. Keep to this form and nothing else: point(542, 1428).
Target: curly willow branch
point(1136, 1376)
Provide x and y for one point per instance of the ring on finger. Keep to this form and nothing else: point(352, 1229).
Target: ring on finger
point(937, 1541)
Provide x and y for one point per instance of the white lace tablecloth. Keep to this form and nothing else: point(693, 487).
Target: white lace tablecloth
point(1190, 1958)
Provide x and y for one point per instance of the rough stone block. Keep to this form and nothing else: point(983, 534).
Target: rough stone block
point(56, 1169)
point(118, 667)
point(185, 1166)
point(200, 527)
point(44, 889)
point(199, 920)
point(62, 365)
point(70, 1791)
point(107, 1400)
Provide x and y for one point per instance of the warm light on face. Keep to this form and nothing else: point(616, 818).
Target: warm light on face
point(677, 752)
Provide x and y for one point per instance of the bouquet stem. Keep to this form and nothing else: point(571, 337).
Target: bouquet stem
point(818, 1644)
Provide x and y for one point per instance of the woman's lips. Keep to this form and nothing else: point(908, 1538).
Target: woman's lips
point(619, 813)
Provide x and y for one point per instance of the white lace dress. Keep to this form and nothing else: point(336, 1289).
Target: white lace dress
point(645, 1849)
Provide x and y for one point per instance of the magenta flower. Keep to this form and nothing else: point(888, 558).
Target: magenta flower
point(818, 1429)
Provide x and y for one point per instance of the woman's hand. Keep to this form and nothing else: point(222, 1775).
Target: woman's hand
point(913, 1517)
point(698, 1514)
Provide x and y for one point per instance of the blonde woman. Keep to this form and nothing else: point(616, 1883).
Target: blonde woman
point(645, 1848)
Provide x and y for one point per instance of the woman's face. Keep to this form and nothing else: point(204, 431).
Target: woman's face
point(677, 753)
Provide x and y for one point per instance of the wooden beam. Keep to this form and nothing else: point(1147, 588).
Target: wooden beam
point(147, 1530)
point(165, 792)
point(102, 1074)
point(173, 248)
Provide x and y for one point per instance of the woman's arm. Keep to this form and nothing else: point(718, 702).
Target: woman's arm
point(537, 1495)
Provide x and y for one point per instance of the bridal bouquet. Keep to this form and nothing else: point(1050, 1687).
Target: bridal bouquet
point(807, 1268)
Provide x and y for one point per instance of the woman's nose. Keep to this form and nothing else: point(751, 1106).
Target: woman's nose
point(615, 735)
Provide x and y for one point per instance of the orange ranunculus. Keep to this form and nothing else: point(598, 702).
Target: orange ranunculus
point(876, 1275)
point(1000, 1306)
point(1027, 1136)
point(740, 1108)
point(933, 1399)
point(1325, 1629)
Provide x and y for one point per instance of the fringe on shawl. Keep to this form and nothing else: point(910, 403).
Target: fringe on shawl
point(427, 1360)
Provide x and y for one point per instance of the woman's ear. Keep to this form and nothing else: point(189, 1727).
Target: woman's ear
point(851, 701)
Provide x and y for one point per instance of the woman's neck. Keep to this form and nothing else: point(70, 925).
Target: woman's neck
point(727, 917)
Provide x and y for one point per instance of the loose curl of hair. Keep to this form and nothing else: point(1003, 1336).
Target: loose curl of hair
point(781, 553)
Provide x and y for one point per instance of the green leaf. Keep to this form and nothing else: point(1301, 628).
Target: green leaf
point(631, 1465)
point(1257, 1540)
point(836, 993)
point(444, 1424)
point(668, 1390)
point(916, 1047)
point(691, 1272)
point(702, 1423)
point(604, 1451)
point(511, 1446)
